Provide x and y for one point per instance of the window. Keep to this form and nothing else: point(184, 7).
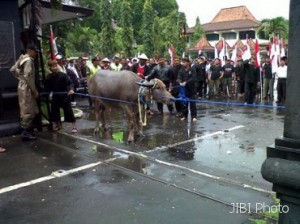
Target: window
point(243, 34)
point(212, 36)
point(229, 36)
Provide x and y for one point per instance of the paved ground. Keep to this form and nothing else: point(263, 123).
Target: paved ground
point(100, 179)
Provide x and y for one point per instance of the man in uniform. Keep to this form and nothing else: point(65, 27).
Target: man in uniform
point(186, 78)
point(24, 71)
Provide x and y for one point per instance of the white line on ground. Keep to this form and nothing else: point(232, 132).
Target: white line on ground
point(175, 165)
point(193, 139)
point(56, 174)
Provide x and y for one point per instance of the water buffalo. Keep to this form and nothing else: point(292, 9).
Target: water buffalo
point(109, 89)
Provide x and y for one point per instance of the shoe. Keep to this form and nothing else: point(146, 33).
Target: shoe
point(178, 115)
point(74, 130)
point(194, 119)
point(149, 112)
point(183, 118)
point(28, 136)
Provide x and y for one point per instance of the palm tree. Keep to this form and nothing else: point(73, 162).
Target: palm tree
point(275, 26)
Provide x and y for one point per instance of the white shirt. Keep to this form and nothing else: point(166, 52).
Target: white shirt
point(282, 72)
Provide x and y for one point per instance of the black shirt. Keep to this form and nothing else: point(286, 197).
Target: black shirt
point(58, 82)
point(268, 71)
point(164, 73)
point(228, 70)
point(201, 71)
point(188, 76)
point(215, 72)
point(240, 72)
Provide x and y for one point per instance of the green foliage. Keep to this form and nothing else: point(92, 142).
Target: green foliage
point(107, 47)
point(147, 28)
point(275, 26)
point(157, 40)
point(198, 32)
point(127, 30)
point(116, 24)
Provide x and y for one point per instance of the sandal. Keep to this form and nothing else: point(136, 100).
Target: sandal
point(2, 149)
point(56, 127)
point(74, 130)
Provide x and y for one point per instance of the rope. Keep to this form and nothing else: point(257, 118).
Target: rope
point(140, 109)
point(182, 98)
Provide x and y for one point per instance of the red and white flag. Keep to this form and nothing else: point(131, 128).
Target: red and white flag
point(274, 55)
point(257, 55)
point(247, 52)
point(282, 50)
point(234, 54)
point(171, 53)
point(53, 46)
point(223, 52)
point(216, 52)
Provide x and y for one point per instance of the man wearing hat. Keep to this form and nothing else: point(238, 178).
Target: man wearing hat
point(105, 64)
point(24, 71)
point(141, 68)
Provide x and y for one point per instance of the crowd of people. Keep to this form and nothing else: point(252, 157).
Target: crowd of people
point(187, 80)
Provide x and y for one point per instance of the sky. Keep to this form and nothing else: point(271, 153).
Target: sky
point(208, 9)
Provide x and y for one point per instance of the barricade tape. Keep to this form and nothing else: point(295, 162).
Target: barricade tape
point(184, 99)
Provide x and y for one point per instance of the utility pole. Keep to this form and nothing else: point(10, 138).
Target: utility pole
point(282, 166)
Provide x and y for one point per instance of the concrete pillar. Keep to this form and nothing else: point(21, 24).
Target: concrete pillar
point(282, 166)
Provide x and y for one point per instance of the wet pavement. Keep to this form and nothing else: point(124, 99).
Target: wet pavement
point(178, 172)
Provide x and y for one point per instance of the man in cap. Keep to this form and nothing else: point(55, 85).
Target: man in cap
point(24, 71)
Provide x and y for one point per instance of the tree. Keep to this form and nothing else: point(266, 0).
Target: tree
point(198, 32)
point(157, 37)
point(147, 27)
point(107, 47)
point(275, 26)
point(127, 31)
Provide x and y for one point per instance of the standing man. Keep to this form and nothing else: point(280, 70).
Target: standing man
point(281, 85)
point(240, 76)
point(268, 80)
point(229, 73)
point(176, 67)
point(186, 78)
point(165, 74)
point(24, 71)
point(200, 68)
point(142, 70)
point(251, 79)
point(215, 74)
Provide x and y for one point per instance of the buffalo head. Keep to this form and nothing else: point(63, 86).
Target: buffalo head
point(157, 90)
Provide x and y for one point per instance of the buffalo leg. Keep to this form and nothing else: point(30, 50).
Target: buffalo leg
point(130, 120)
point(97, 115)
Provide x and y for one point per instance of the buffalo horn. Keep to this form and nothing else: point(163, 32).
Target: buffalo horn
point(145, 84)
